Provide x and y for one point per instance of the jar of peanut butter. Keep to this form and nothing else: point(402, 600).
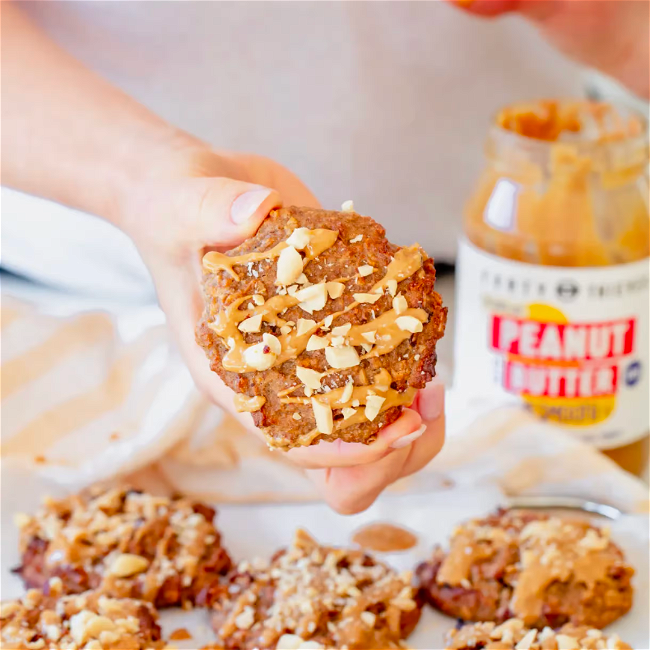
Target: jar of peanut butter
point(552, 276)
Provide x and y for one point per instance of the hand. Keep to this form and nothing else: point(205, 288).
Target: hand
point(351, 475)
point(196, 198)
point(193, 200)
point(609, 36)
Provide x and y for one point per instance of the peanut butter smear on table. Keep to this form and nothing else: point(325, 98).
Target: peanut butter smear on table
point(384, 538)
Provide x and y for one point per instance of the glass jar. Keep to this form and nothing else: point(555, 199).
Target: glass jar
point(552, 273)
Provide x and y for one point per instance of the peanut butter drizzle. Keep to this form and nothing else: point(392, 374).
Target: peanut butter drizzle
point(456, 568)
point(246, 404)
point(558, 552)
point(319, 240)
point(405, 263)
point(553, 550)
point(332, 398)
point(226, 324)
point(393, 398)
point(388, 335)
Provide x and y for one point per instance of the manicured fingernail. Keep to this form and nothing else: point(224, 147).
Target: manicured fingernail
point(432, 402)
point(245, 205)
point(407, 440)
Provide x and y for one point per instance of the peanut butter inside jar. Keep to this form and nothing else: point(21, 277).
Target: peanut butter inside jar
point(581, 173)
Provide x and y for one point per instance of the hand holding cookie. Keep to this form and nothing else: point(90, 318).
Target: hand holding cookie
point(326, 332)
point(289, 358)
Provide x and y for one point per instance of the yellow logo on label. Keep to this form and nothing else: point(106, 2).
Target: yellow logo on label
point(567, 411)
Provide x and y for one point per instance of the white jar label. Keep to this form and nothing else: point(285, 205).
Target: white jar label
point(569, 343)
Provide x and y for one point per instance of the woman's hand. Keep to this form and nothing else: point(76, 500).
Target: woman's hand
point(351, 476)
point(189, 201)
point(196, 199)
point(609, 36)
point(76, 139)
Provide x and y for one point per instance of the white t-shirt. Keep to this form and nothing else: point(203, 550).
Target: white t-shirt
point(386, 103)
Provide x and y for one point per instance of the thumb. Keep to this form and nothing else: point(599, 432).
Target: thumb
point(228, 211)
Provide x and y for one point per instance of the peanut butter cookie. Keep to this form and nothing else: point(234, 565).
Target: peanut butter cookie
point(323, 328)
point(125, 543)
point(547, 571)
point(40, 620)
point(312, 596)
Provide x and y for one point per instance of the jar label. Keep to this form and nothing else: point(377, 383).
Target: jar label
point(569, 343)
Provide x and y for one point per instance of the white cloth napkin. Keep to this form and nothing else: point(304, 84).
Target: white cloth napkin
point(88, 395)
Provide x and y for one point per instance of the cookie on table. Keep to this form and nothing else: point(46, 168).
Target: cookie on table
point(547, 571)
point(514, 635)
point(39, 621)
point(312, 596)
point(322, 327)
point(127, 544)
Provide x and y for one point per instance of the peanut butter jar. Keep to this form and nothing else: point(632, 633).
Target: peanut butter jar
point(552, 270)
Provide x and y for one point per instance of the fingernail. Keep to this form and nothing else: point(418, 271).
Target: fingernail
point(245, 205)
point(407, 440)
point(432, 402)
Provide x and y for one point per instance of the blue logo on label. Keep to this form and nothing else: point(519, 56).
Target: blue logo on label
point(633, 373)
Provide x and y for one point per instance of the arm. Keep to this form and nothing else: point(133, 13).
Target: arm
point(610, 35)
point(71, 137)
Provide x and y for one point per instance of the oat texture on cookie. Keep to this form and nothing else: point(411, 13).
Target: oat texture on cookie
point(322, 328)
point(544, 570)
point(314, 596)
point(125, 543)
point(514, 635)
point(44, 619)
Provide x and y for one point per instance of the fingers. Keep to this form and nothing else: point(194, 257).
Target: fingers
point(228, 211)
point(348, 454)
point(426, 447)
point(269, 173)
point(349, 490)
point(487, 8)
point(430, 401)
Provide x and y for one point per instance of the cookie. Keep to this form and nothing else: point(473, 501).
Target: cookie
point(126, 544)
point(322, 328)
point(45, 619)
point(312, 596)
point(514, 635)
point(548, 571)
